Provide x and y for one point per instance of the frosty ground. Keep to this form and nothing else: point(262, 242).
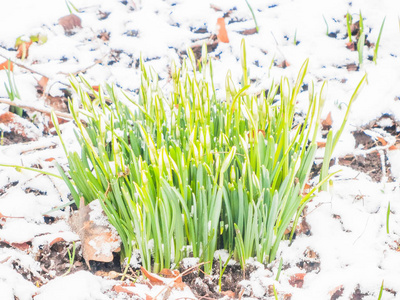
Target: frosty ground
point(341, 251)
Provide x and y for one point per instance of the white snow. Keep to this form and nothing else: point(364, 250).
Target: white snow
point(348, 223)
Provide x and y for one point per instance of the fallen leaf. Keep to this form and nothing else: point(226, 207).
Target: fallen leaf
point(20, 246)
point(43, 82)
point(148, 297)
point(321, 144)
point(21, 128)
point(56, 240)
point(58, 103)
point(99, 241)
point(70, 22)
point(122, 288)
point(230, 294)
point(327, 122)
point(49, 159)
point(382, 141)
point(351, 46)
point(154, 278)
point(7, 66)
point(23, 50)
point(352, 67)
point(95, 87)
point(284, 64)
point(214, 7)
point(221, 29)
point(336, 292)
point(248, 31)
point(297, 280)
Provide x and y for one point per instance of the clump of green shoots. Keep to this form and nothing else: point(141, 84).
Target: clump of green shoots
point(12, 90)
point(188, 173)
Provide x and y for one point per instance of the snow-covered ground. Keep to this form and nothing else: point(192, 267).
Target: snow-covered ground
point(349, 249)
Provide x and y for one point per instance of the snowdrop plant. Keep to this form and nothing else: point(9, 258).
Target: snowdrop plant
point(188, 173)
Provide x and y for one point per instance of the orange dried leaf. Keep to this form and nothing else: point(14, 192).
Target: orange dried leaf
point(23, 50)
point(336, 292)
point(382, 141)
point(4, 66)
point(43, 82)
point(121, 289)
point(56, 240)
point(222, 33)
point(321, 144)
point(327, 122)
point(154, 279)
point(95, 87)
point(297, 280)
point(230, 294)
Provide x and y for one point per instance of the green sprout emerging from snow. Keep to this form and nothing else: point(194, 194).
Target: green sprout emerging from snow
point(189, 173)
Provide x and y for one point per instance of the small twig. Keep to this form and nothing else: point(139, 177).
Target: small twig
point(42, 110)
point(96, 62)
point(22, 66)
point(4, 260)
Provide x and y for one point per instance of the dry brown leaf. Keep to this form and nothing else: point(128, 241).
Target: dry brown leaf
point(352, 67)
point(43, 82)
point(249, 31)
point(214, 7)
point(297, 280)
point(20, 246)
point(122, 288)
point(4, 66)
point(222, 33)
point(351, 46)
point(56, 240)
point(284, 64)
point(70, 22)
point(99, 241)
point(336, 292)
point(321, 144)
point(154, 278)
point(382, 141)
point(230, 294)
point(58, 103)
point(327, 122)
point(23, 50)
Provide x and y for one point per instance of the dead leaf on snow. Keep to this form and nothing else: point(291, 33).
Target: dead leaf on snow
point(327, 122)
point(351, 46)
point(23, 50)
point(4, 66)
point(297, 280)
point(336, 292)
point(154, 278)
point(230, 294)
point(284, 64)
point(221, 29)
point(248, 31)
point(58, 103)
point(99, 239)
point(70, 22)
point(122, 288)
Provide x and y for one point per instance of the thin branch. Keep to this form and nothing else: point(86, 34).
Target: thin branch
point(22, 66)
point(42, 110)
